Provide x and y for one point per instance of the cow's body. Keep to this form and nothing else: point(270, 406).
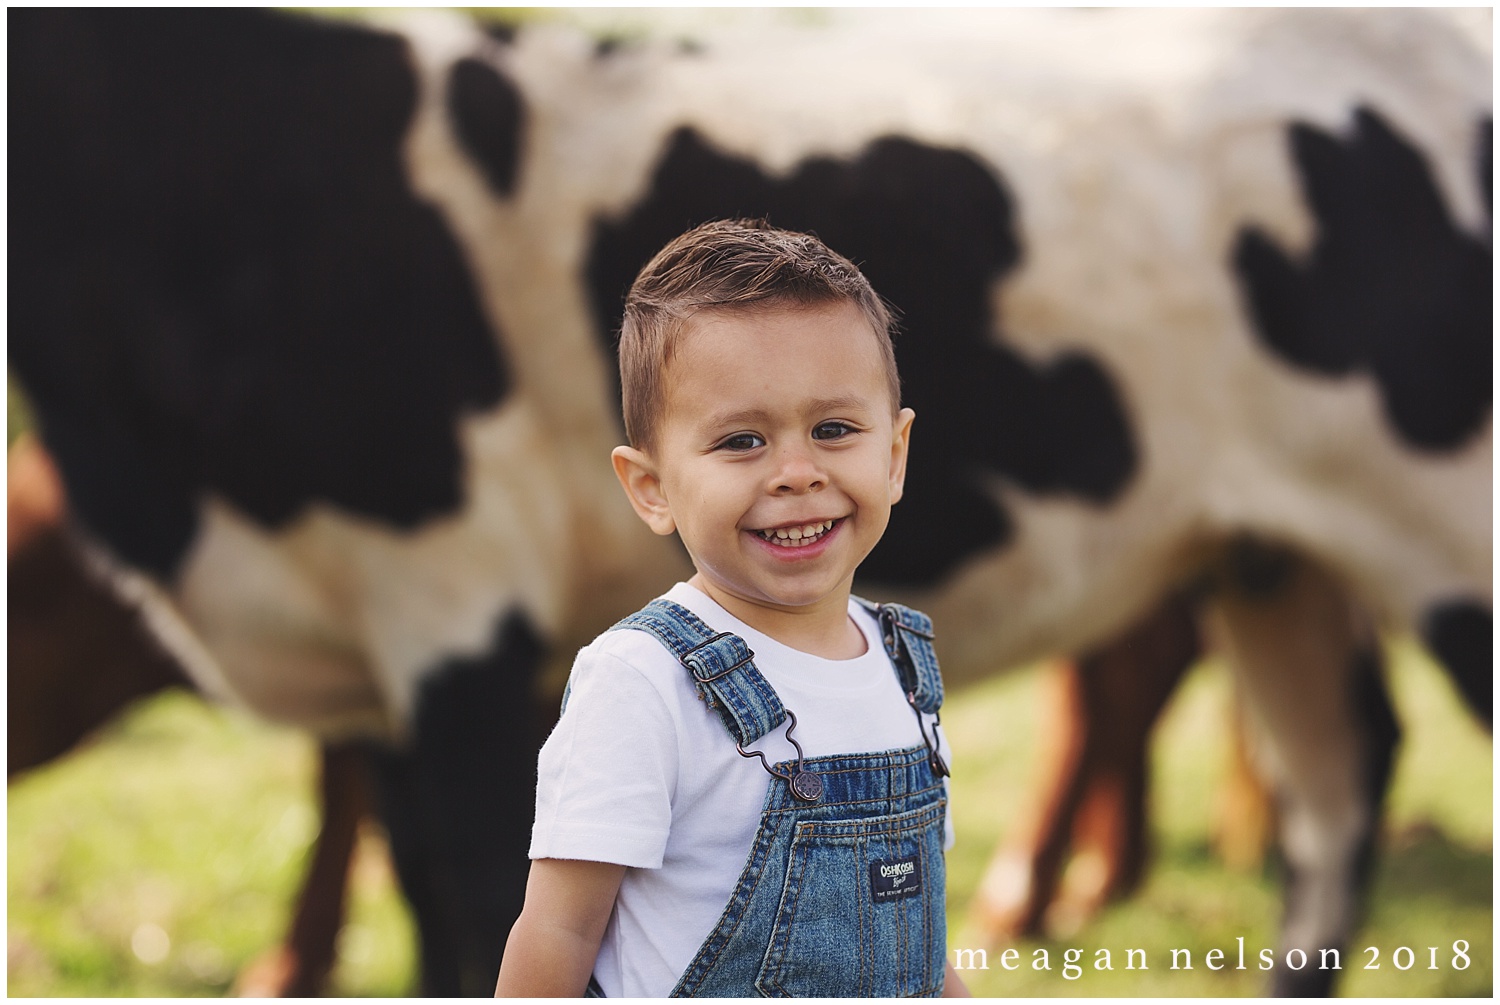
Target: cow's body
point(328, 369)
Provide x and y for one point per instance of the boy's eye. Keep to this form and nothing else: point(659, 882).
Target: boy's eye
point(741, 441)
point(832, 430)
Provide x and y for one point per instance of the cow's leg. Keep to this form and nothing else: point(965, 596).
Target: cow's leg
point(1095, 795)
point(1246, 816)
point(344, 793)
point(299, 968)
point(458, 803)
point(1022, 877)
point(1310, 669)
point(1128, 684)
point(1460, 634)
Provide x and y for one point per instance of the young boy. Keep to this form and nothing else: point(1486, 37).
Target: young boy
point(744, 794)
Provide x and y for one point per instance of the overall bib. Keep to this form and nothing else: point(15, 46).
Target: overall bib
point(842, 894)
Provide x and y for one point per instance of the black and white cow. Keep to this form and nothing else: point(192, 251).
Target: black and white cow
point(316, 317)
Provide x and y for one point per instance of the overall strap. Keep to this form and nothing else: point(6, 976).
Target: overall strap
point(907, 635)
point(723, 668)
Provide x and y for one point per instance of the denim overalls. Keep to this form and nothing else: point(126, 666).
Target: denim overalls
point(842, 894)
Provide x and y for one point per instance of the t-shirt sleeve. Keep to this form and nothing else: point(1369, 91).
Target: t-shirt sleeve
point(606, 775)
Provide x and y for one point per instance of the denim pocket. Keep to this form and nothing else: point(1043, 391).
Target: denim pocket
point(862, 909)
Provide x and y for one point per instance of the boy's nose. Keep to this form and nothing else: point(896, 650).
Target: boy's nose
point(797, 472)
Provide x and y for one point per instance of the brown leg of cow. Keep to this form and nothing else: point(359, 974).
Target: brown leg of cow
point(1310, 670)
point(1095, 793)
point(1246, 815)
point(1109, 841)
point(1127, 684)
point(1021, 878)
point(300, 967)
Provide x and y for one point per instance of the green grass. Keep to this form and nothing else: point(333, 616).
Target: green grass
point(1432, 883)
point(185, 821)
point(161, 859)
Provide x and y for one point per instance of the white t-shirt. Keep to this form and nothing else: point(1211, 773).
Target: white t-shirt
point(641, 772)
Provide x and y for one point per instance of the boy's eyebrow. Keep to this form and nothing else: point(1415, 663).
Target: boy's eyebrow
point(754, 416)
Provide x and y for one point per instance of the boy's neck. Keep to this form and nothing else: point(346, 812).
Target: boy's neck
point(822, 629)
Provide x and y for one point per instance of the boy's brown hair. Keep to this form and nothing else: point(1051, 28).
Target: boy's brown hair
point(735, 265)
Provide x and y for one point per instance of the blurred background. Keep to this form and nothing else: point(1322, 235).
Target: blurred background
point(162, 855)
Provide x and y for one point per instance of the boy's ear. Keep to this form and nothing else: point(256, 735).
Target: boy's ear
point(642, 487)
point(900, 443)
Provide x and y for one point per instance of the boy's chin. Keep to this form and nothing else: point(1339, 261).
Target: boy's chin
point(789, 598)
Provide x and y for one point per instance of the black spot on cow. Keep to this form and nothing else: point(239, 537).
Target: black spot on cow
point(1391, 287)
point(933, 230)
point(220, 280)
point(489, 118)
point(1460, 634)
point(607, 46)
point(458, 803)
point(503, 32)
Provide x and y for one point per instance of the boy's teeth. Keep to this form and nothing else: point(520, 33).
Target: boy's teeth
point(796, 535)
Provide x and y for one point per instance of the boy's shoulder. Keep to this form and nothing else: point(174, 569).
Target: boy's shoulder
point(645, 652)
point(637, 649)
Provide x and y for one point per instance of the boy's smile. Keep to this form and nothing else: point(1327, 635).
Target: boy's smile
point(777, 461)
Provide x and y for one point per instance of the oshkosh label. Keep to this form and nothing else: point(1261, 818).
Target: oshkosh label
point(901, 877)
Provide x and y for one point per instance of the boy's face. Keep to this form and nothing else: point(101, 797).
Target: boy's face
point(778, 456)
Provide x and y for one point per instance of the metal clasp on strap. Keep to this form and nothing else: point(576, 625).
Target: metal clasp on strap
point(804, 784)
point(939, 766)
point(891, 621)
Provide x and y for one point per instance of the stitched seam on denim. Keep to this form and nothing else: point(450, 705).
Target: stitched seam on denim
point(926, 914)
point(833, 829)
point(754, 864)
point(901, 764)
point(910, 796)
point(929, 924)
point(867, 941)
point(770, 964)
point(826, 773)
point(895, 758)
point(901, 938)
point(937, 974)
point(784, 931)
point(901, 770)
point(935, 971)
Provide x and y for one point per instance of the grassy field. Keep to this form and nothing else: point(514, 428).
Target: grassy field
point(161, 859)
point(1433, 881)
